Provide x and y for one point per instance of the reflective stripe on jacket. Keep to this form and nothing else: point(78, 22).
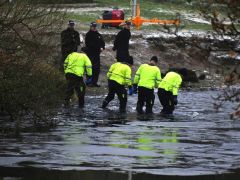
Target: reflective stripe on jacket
point(121, 73)
point(148, 76)
point(171, 82)
point(76, 63)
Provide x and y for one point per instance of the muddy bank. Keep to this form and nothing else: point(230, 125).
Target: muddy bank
point(176, 52)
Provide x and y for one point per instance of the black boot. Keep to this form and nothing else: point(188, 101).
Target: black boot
point(104, 104)
point(149, 110)
point(123, 105)
point(139, 108)
point(122, 110)
point(66, 103)
point(81, 102)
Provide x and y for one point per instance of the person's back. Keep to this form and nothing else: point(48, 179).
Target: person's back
point(119, 76)
point(148, 76)
point(76, 63)
point(121, 73)
point(171, 82)
point(168, 91)
point(74, 67)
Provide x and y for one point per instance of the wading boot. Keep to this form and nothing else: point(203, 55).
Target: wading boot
point(122, 110)
point(139, 108)
point(104, 104)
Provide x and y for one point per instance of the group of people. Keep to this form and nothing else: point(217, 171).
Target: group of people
point(146, 79)
point(94, 45)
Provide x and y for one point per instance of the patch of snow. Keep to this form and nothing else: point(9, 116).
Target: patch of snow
point(226, 56)
point(90, 9)
point(197, 20)
point(160, 10)
point(188, 16)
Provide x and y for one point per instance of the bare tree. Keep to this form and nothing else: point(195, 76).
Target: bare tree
point(224, 39)
point(30, 85)
point(224, 16)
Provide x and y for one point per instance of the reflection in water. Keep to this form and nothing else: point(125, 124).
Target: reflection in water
point(170, 138)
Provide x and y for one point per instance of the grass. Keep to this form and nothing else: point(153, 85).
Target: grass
point(198, 26)
point(149, 9)
point(84, 18)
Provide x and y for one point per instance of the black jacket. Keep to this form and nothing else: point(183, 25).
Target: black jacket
point(70, 40)
point(121, 42)
point(94, 42)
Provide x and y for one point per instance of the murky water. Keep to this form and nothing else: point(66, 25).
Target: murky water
point(197, 140)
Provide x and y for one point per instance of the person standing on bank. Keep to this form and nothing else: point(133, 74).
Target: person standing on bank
point(168, 91)
point(148, 77)
point(95, 45)
point(70, 40)
point(119, 76)
point(74, 67)
point(121, 42)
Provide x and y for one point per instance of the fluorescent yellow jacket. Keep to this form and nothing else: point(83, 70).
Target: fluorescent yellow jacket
point(171, 82)
point(76, 63)
point(148, 76)
point(121, 73)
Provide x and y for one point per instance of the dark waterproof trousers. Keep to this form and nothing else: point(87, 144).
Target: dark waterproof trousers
point(75, 83)
point(95, 60)
point(116, 88)
point(122, 55)
point(166, 99)
point(145, 95)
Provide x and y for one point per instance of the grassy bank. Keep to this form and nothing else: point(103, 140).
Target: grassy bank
point(149, 9)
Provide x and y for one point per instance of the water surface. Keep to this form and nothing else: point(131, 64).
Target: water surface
point(196, 141)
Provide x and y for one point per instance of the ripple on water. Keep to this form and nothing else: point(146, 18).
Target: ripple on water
point(196, 140)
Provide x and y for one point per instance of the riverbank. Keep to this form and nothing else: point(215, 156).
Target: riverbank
point(195, 47)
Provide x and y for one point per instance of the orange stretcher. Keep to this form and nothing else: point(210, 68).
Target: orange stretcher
point(138, 20)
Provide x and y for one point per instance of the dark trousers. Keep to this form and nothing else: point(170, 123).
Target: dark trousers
point(75, 83)
point(145, 95)
point(166, 99)
point(122, 55)
point(95, 59)
point(116, 88)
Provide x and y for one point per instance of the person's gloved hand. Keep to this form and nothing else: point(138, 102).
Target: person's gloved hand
point(135, 88)
point(130, 90)
point(89, 80)
point(175, 100)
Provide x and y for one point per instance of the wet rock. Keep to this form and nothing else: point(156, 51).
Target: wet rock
point(188, 75)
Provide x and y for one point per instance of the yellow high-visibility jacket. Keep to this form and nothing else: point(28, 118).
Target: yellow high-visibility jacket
point(121, 73)
point(148, 76)
point(76, 63)
point(171, 82)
